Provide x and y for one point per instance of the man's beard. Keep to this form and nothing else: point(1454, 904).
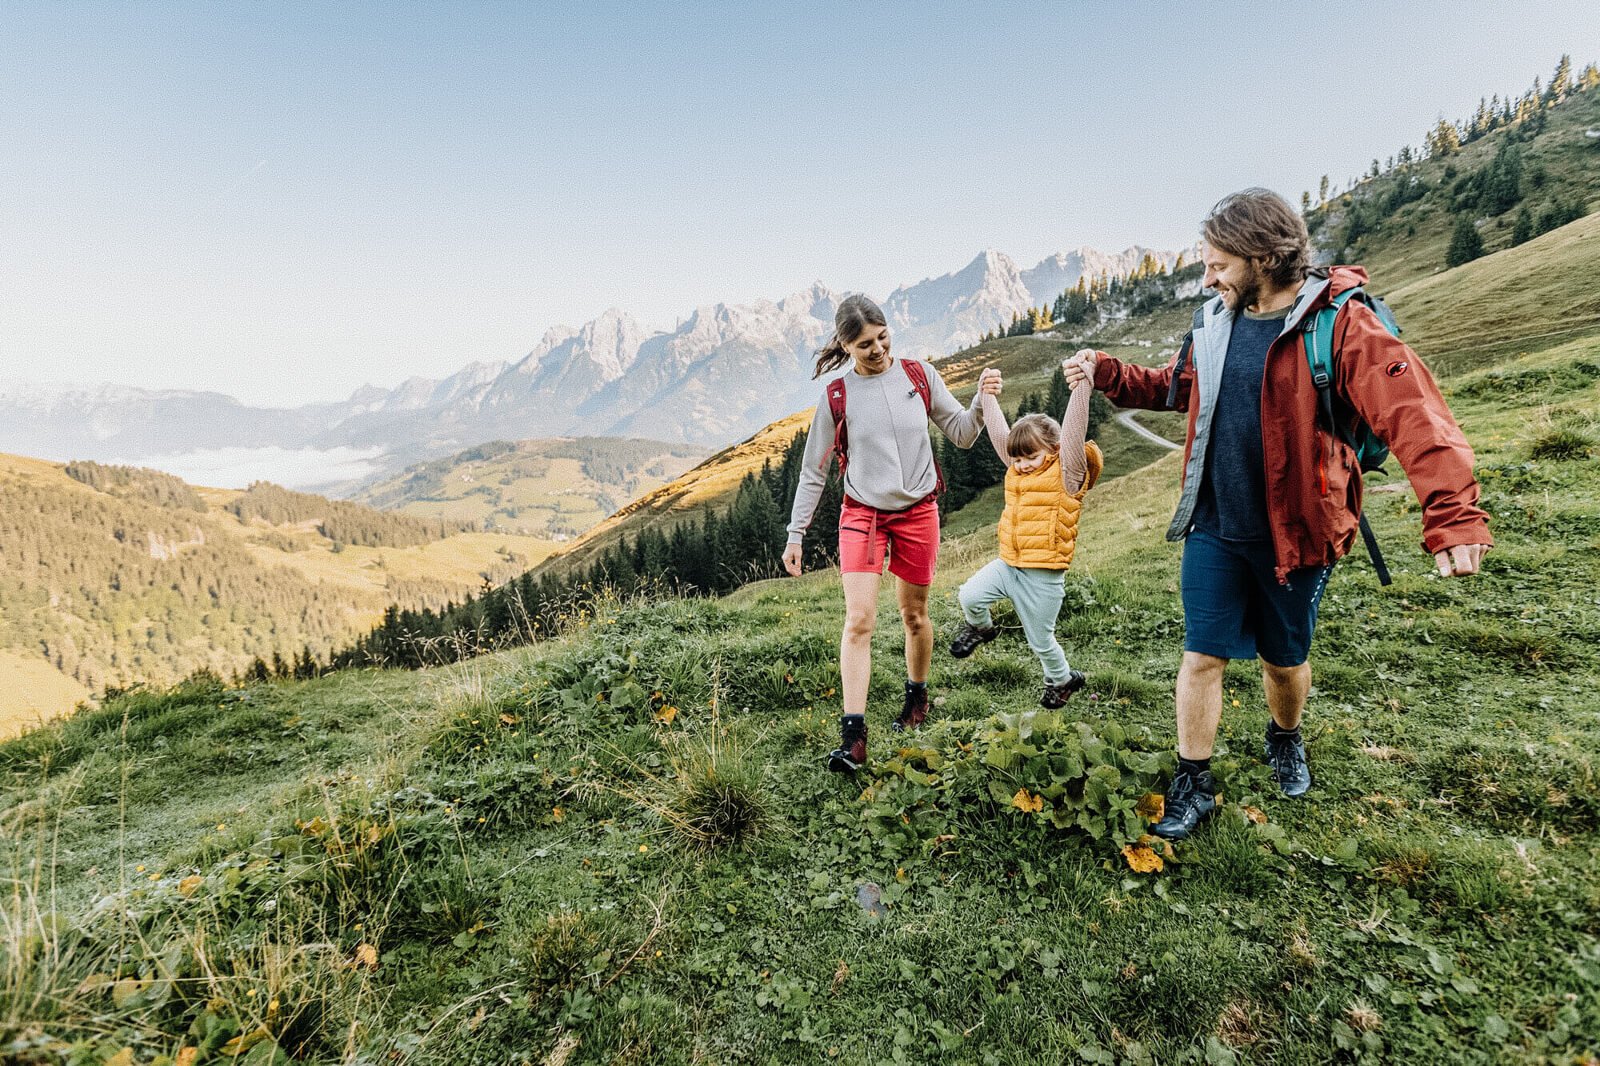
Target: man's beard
point(1248, 294)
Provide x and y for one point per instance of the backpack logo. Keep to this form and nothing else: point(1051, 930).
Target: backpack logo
point(1396, 369)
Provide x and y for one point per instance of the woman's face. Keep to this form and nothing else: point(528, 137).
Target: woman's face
point(870, 350)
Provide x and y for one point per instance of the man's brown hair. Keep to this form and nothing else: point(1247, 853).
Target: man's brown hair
point(1259, 225)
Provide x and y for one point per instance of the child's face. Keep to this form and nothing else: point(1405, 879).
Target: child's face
point(1027, 464)
point(870, 350)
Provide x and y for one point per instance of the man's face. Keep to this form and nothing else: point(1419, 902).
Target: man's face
point(1236, 279)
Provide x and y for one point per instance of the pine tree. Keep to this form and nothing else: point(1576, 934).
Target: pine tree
point(1443, 140)
point(1465, 243)
point(1322, 191)
point(1522, 231)
point(1055, 405)
point(1305, 209)
point(1590, 79)
point(1560, 82)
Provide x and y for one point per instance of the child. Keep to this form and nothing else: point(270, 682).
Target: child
point(890, 483)
point(1049, 468)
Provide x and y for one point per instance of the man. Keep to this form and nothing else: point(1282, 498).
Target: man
point(1271, 493)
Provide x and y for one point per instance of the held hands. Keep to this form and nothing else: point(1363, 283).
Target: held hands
point(1460, 560)
point(1079, 370)
point(791, 560)
point(989, 382)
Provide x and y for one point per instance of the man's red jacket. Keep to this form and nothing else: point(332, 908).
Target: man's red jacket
point(1313, 483)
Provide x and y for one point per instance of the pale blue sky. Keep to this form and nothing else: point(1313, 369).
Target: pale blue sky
point(282, 201)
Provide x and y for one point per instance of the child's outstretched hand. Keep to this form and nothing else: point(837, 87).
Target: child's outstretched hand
point(1079, 369)
point(989, 381)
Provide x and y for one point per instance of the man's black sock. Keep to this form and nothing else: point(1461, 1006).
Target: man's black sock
point(1274, 729)
point(916, 686)
point(1194, 766)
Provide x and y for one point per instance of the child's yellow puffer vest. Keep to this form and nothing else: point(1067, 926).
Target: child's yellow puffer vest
point(1039, 526)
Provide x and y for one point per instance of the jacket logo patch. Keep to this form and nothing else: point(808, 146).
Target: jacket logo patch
point(1394, 370)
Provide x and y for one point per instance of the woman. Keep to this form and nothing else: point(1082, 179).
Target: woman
point(874, 417)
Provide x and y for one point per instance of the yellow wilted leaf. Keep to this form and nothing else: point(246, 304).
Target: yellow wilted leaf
point(557, 814)
point(1141, 859)
point(1255, 815)
point(125, 989)
point(666, 714)
point(374, 834)
point(186, 1056)
point(121, 1058)
point(508, 719)
point(1024, 802)
point(314, 828)
point(367, 955)
point(1152, 807)
point(244, 1042)
point(187, 886)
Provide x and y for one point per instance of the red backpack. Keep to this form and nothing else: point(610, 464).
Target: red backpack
point(841, 442)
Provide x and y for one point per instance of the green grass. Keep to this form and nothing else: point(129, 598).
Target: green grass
point(542, 855)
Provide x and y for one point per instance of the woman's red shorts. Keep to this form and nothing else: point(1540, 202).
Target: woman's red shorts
point(909, 538)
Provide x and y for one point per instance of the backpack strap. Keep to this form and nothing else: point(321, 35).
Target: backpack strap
point(1185, 350)
point(919, 381)
point(841, 440)
point(1319, 357)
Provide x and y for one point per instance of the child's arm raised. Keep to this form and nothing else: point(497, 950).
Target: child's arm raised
point(994, 420)
point(1074, 428)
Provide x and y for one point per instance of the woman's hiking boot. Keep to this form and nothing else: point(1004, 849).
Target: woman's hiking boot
point(851, 754)
point(1056, 693)
point(1191, 798)
point(915, 709)
point(1286, 754)
point(969, 637)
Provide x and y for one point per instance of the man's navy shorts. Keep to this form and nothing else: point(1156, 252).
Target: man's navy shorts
point(1234, 608)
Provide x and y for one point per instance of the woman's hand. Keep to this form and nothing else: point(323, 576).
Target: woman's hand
point(791, 560)
point(989, 382)
point(1079, 369)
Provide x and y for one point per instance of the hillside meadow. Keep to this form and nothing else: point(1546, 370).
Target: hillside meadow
point(145, 579)
point(621, 847)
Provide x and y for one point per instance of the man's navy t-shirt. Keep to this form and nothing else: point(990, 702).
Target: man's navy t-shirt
point(1233, 493)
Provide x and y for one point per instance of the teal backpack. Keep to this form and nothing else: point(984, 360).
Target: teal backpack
point(1371, 451)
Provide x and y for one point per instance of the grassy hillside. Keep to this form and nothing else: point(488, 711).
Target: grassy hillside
point(551, 489)
point(621, 846)
point(1558, 162)
point(150, 579)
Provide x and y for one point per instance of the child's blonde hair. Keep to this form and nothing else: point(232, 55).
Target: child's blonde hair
point(1033, 433)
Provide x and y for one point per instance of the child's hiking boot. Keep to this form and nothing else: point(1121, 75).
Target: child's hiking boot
point(1286, 754)
point(969, 637)
point(1056, 693)
point(851, 754)
point(915, 709)
point(1191, 799)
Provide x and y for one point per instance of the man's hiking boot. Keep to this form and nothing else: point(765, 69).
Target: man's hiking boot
point(1056, 693)
point(1191, 798)
point(851, 754)
point(968, 639)
point(1286, 754)
point(915, 710)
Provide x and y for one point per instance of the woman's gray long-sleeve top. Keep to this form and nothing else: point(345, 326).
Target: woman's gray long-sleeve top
point(891, 458)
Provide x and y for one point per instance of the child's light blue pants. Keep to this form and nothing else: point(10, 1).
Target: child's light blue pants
point(1036, 596)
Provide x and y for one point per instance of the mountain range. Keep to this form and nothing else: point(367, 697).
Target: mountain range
point(724, 372)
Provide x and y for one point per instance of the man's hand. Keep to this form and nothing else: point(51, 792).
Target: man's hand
point(1079, 369)
point(791, 560)
point(1459, 560)
point(989, 381)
